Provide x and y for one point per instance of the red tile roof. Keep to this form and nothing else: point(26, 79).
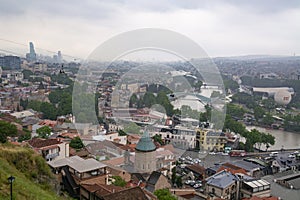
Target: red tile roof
point(40, 143)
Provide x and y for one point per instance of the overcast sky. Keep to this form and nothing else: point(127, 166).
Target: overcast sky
point(221, 28)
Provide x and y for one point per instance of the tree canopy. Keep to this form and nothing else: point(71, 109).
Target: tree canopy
point(44, 132)
point(7, 129)
point(76, 143)
point(119, 181)
point(164, 194)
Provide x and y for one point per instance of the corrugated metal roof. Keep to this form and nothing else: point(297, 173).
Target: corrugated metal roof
point(78, 164)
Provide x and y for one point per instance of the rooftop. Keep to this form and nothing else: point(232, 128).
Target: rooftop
point(221, 179)
point(127, 194)
point(145, 144)
point(40, 143)
point(77, 163)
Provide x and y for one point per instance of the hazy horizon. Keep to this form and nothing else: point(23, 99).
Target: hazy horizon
point(221, 28)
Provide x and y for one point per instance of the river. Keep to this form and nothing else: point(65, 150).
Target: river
point(287, 140)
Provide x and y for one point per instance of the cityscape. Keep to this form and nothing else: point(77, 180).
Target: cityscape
point(148, 114)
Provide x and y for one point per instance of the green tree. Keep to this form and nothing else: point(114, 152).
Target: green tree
point(259, 112)
point(76, 143)
point(162, 99)
point(7, 129)
point(35, 105)
point(122, 133)
point(173, 176)
point(179, 181)
point(49, 111)
point(198, 85)
point(132, 128)
point(234, 126)
point(268, 140)
point(119, 181)
point(164, 194)
point(268, 119)
point(157, 138)
point(25, 136)
point(149, 99)
point(244, 98)
point(230, 84)
point(133, 100)
point(24, 103)
point(235, 111)
point(44, 132)
point(27, 73)
point(269, 103)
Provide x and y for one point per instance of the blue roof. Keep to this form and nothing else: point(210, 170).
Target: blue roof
point(145, 144)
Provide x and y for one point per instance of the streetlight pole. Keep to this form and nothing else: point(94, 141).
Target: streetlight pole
point(11, 180)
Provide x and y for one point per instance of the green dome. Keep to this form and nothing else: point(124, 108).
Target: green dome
point(145, 144)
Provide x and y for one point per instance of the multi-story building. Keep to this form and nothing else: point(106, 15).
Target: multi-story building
point(179, 136)
point(223, 185)
point(210, 140)
point(50, 149)
point(258, 188)
point(10, 62)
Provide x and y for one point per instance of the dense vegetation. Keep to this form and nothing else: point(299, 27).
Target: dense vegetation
point(7, 129)
point(119, 181)
point(149, 99)
point(76, 143)
point(164, 194)
point(33, 178)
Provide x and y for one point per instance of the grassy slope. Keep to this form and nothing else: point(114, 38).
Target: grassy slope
point(33, 176)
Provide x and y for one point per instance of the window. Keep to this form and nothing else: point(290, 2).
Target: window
point(213, 190)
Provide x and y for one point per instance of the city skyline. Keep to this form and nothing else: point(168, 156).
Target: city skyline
point(221, 28)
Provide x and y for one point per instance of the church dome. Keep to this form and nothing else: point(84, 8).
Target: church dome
point(145, 144)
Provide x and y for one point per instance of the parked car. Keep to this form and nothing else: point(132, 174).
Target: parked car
point(197, 185)
point(274, 154)
point(292, 156)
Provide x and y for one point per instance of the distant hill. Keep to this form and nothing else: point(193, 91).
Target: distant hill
point(33, 178)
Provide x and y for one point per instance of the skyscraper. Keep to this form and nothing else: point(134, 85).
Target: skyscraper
point(31, 56)
point(59, 57)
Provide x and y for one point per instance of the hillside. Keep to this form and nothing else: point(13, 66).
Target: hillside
point(33, 178)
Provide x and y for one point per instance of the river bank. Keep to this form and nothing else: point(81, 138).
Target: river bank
point(283, 139)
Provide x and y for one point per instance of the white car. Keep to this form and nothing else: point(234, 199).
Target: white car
point(197, 185)
point(292, 156)
point(212, 153)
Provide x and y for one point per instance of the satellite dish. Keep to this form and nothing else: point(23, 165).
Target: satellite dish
point(283, 97)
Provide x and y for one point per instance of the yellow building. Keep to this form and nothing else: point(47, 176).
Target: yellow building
point(210, 140)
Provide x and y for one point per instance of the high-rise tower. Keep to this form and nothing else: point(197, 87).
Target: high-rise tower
point(31, 56)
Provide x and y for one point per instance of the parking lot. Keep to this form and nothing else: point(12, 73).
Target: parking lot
point(208, 160)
